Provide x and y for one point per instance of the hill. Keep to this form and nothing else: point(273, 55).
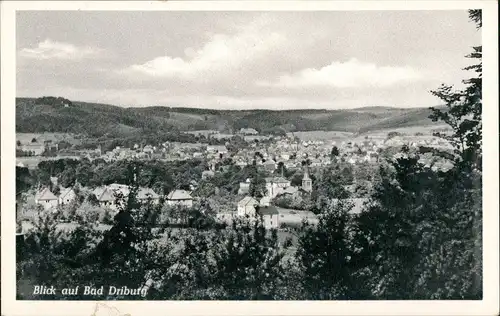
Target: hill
point(95, 120)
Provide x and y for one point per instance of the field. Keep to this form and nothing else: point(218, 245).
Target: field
point(32, 162)
point(25, 138)
point(322, 135)
point(295, 217)
point(250, 138)
point(410, 130)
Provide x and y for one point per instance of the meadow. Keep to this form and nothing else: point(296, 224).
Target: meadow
point(322, 135)
point(26, 138)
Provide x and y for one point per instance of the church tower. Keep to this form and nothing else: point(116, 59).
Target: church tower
point(306, 181)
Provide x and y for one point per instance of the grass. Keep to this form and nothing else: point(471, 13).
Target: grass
point(25, 138)
point(295, 217)
point(322, 135)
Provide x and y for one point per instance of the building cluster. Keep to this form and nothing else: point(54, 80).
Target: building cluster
point(275, 187)
point(107, 197)
point(251, 208)
point(49, 200)
point(291, 152)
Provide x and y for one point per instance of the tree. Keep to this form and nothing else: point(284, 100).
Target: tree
point(55, 256)
point(331, 184)
point(281, 169)
point(63, 145)
point(335, 152)
point(323, 255)
point(68, 177)
point(92, 199)
point(33, 140)
point(464, 109)
point(420, 237)
point(257, 187)
point(392, 135)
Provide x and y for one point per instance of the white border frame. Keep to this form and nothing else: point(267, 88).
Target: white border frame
point(489, 304)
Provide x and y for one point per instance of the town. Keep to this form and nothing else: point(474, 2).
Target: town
point(249, 155)
point(280, 159)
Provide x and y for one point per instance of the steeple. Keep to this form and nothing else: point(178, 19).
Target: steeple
point(306, 181)
point(306, 174)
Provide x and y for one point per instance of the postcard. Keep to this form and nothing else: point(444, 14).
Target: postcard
point(249, 158)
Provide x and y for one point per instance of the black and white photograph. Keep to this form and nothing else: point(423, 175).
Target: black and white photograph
point(249, 155)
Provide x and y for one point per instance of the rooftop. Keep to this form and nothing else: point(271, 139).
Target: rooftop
point(248, 200)
point(46, 195)
point(145, 193)
point(268, 210)
point(179, 195)
point(276, 180)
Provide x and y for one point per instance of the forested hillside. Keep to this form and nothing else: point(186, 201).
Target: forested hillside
point(93, 119)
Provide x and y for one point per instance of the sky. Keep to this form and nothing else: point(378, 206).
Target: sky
point(243, 60)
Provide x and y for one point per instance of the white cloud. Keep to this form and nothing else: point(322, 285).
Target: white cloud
point(49, 49)
point(221, 53)
point(350, 74)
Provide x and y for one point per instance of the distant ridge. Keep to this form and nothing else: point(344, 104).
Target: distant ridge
point(94, 119)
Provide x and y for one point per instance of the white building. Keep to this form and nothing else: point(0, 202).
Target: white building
point(276, 186)
point(244, 187)
point(147, 194)
point(270, 216)
point(247, 206)
point(107, 195)
point(265, 201)
point(217, 149)
point(180, 197)
point(67, 196)
point(248, 131)
point(47, 199)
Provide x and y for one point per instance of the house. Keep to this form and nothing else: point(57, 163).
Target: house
point(35, 149)
point(247, 206)
point(148, 149)
point(248, 131)
point(265, 201)
point(217, 149)
point(269, 215)
point(46, 198)
point(276, 186)
point(207, 174)
point(180, 197)
point(290, 191)
point(193, 185)
point(244, 187)
point(285, 156)
point(241, 164)
point(269, 165)
point(120, 189)
point(146, 194)
point(66, 196)
point(105, 197)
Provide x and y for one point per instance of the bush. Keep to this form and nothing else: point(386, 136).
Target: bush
point(106, 217)
point(89, 212)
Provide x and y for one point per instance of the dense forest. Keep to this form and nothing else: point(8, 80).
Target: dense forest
point(419, 237)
